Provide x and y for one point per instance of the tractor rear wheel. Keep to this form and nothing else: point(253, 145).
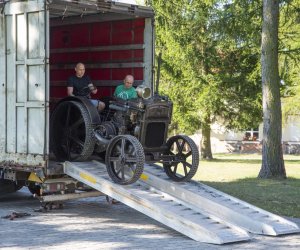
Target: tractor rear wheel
point(71, 132)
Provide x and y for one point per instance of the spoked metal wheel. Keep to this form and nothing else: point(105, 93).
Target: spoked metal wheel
point(181, 168)
point(125, 159)
point(71, 132)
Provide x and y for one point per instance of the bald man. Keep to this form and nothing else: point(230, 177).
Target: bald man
point(81, 85)
point(126, 91)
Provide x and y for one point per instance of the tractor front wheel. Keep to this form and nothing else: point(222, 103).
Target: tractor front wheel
point(185, 156)
point(125, 159)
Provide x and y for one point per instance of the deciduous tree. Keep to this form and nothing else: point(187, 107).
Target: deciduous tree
point(272, 156)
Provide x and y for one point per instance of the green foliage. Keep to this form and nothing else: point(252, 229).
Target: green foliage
point(210, 61)
point(289, 59)
point(291, 104)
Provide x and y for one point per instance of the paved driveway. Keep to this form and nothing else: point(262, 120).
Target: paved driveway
point(92, 223)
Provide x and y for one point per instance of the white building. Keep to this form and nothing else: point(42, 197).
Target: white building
point(223, 141)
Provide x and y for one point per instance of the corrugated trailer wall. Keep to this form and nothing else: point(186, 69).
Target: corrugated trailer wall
point(2, 85)
point(110, 50)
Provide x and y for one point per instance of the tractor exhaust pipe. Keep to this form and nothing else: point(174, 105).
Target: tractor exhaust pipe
point(158, 72)
point(100, 139)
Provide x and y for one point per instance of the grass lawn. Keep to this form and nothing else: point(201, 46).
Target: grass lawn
point(236, 174)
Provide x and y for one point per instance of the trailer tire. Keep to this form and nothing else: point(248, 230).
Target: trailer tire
point(8, 186)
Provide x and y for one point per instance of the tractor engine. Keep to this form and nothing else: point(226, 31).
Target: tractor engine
point(145, 119)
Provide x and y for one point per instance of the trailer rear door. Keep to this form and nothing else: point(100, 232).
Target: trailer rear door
point(23, 84)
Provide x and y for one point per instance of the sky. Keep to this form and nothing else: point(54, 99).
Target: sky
point(126, 1)
point(129, 1)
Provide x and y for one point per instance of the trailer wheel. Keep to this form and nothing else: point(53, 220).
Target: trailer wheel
point(71, 132)
point(8, 186)
point(181, 147)
point(125, 159)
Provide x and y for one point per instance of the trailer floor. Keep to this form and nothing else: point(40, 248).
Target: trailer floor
point(92, 223)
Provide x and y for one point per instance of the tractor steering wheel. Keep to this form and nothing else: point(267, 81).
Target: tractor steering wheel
point(86, 91)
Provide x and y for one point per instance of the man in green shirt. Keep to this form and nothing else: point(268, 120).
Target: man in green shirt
point(126, 91)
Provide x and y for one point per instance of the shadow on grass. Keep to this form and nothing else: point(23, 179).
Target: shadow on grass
point(277, 196)
point(246, 161)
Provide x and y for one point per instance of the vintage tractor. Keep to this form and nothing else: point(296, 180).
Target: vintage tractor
point(128, 134)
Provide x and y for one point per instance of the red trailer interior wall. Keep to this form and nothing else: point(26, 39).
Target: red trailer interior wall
point(110, 50)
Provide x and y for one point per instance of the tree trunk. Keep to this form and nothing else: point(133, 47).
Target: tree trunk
point(272, 157)
point(205, 140)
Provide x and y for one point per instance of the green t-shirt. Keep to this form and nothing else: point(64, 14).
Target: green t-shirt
point(124, 93)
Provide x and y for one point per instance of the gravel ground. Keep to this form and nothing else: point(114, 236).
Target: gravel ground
point(92, 223)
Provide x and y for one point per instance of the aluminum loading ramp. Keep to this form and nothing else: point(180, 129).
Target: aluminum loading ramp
point(193, 209)
point(221, 205)
point(158, 205)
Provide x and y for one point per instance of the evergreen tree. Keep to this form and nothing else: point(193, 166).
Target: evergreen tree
point(289, 58)
point(210, 62)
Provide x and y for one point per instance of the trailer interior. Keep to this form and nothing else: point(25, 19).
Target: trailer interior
point(108, 37)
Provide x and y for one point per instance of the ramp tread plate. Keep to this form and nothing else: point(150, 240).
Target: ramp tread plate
point(161, 207)
point(247, 212)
